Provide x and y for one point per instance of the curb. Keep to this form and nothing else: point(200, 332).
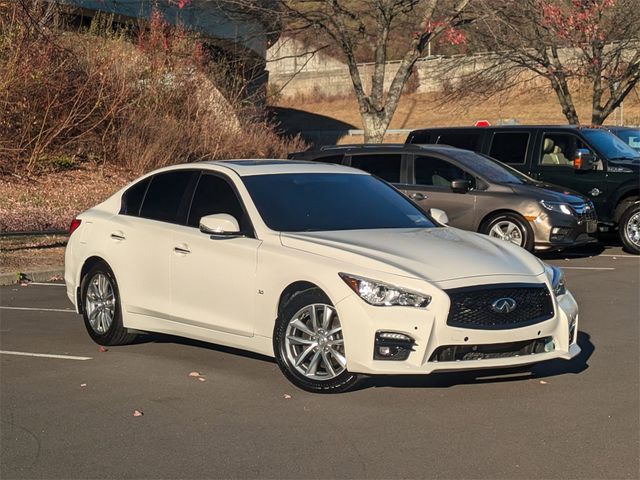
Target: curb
point(36, 276)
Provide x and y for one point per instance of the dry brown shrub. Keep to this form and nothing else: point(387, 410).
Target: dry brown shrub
point(69, 97)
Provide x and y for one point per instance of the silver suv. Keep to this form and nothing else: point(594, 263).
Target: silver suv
point(477, 192)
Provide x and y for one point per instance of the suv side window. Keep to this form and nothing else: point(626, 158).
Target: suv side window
point(559, 149)
point(215, 194)
point(385, 166)
point(168, 196)
point(432, 171)
point(510, 147)
point(468, 141)
point(132, 198)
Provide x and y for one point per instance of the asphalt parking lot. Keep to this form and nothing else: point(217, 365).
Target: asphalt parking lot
point(73, 416)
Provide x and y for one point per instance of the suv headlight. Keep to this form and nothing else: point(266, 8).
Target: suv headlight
point(556, 277)
point(382, 294)
point(557, 207)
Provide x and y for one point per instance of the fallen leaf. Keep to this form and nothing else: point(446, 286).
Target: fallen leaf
point(542, 382)
point(137, 413)
point(83, 385)
point(103, 349)
point(194, 374)
point(202, 379)
point(287, 396)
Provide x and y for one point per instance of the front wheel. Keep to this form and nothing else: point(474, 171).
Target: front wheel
point(509, 227)
point(309, 344)
point(629, 228)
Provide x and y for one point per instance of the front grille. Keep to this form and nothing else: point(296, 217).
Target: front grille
point(455, 353)
point(475, 307)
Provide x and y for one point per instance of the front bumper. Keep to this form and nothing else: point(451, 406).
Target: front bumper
point(553, 230)
point(429, 329)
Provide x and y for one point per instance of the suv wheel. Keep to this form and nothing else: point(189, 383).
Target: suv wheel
point(509, 227)
point(629, 228)
point(309, 344)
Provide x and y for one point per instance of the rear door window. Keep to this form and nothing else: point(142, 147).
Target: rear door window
point(466, 140)
point(384, 166)
point(132, 198)
point(214, 194)
point(169, 195)
point(510, 147)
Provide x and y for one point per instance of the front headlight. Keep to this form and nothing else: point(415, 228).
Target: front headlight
point(382, 294)
point(557, 207)
point(556, 277)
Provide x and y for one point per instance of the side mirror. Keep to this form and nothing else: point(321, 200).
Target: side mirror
point(460, 186)
point(439, 216)
point(219, 224)
point(584, 160)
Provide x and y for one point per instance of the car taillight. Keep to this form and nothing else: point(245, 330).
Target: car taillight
point(75, 223)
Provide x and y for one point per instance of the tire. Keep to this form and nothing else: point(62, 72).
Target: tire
point(514, 228)
point(629, 228)
point(312, 358)
point(101, 307)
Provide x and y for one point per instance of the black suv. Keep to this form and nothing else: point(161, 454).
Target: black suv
point(591, 161)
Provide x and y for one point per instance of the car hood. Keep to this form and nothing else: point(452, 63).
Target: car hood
point(432, 254)
point(549, 192)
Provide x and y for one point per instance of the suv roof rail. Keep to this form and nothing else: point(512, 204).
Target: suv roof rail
point(409, 146)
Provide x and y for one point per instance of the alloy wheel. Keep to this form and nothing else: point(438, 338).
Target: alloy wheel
point(633, 229)
point(314, 343)
point(100, 303)
point(508, 231)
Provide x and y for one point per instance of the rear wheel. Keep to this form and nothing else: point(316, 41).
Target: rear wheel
point(509, 227)
point(309, 344)
point(629, 228)
point(101, 307)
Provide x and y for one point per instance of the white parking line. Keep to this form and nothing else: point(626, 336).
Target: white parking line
point(44, 355)
point(64, 310)
point(596, 256)
point(44, 284)
point(587, 268)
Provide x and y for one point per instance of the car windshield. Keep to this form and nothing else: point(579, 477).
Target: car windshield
point(631, 137)
point(491, 169)
point(308, 202)
point(610, 146)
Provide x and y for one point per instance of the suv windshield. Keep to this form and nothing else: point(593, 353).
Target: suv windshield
point(491, 169)
point(631, 137)
point(610, 146)
point(307, 202)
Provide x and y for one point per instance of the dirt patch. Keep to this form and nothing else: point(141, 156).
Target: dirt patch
point(29, 254)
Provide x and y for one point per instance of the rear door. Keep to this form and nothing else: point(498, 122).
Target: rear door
point(430, 187)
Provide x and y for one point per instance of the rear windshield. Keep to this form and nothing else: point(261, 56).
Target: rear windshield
point(309, 202)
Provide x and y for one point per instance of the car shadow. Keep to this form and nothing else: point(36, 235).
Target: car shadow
point(605, 242)
point(541, 370)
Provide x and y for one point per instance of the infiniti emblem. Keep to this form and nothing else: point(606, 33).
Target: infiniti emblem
point(504, 305)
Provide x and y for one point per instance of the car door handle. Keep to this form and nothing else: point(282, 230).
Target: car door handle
point(418, 196)
point(182, 249)
point(118, 236)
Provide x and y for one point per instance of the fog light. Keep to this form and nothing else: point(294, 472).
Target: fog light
point(549, 346)
point(392, 346)
point(558, 233)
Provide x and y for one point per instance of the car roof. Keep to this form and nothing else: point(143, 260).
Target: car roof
point(377, 148)
point(246, 167)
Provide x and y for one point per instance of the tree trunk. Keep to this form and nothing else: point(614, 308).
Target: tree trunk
point(375, 126)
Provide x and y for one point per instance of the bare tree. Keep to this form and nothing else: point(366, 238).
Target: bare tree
point(364, 28)
point(570, 43)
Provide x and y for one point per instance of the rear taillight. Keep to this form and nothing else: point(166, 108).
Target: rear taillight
point(75, 223)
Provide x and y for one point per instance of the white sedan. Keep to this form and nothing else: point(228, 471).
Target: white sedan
point(327, 268)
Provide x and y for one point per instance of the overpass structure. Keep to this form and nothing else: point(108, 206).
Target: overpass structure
point(240, 35)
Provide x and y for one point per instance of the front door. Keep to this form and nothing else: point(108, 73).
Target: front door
point(555, 165)
point(432, 189)
point(213, 278)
